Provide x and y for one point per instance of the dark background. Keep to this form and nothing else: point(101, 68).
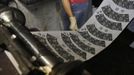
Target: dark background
point(117, 59)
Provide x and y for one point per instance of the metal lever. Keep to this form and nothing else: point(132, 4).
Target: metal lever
point(14, 20)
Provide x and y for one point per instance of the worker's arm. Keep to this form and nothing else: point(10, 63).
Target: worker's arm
point(68, 10)
point(67, 7)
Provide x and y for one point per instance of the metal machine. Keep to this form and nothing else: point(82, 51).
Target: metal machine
point(35, 58)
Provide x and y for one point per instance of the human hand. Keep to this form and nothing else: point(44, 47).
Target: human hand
point(73, 23)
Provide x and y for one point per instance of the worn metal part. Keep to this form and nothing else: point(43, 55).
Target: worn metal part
point(8, 15)
point(5, 63)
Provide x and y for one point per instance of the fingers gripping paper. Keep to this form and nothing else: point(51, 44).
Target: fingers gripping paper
point(97, 33)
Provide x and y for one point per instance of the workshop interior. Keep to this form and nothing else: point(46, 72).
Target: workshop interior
point(33, 40)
